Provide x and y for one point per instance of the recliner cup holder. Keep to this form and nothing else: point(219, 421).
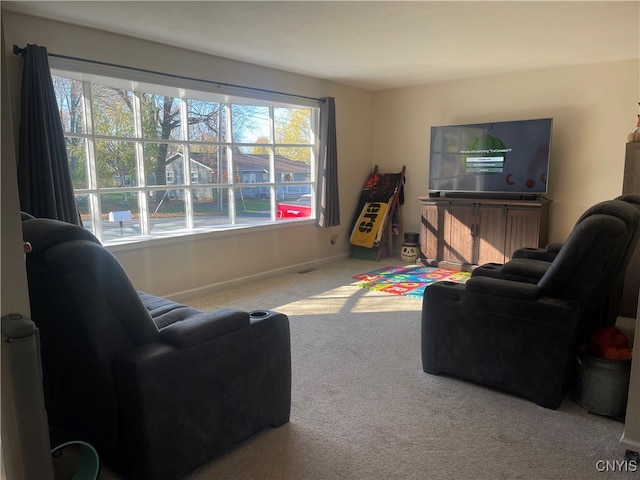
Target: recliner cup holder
point(259, 314)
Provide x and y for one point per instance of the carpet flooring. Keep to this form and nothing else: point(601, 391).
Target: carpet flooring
point(363, 409)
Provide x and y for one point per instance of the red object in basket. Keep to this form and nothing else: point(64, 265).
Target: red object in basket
point(606, 338)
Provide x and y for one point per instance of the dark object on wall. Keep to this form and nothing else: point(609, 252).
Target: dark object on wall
point(158, 388)
point(44, 179)
point(631, 180)
point(522, 337)
point(631, 185)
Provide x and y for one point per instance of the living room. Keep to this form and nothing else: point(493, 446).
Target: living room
point(594, 107)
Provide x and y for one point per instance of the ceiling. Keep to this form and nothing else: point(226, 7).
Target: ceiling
point(374, 45)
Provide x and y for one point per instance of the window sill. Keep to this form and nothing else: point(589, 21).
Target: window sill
point(133, 243)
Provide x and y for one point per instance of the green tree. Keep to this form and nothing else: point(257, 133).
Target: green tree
point(161, 121)
point(113, 116)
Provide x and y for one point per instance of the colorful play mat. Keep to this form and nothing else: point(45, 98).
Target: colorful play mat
point(408, 280)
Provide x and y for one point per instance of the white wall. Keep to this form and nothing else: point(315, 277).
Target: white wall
point(165, 269)
point(594, 107)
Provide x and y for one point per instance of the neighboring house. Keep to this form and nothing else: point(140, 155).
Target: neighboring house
point(249, 168)
point(200, 173)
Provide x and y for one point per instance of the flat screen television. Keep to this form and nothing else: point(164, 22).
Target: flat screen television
point(509, 157)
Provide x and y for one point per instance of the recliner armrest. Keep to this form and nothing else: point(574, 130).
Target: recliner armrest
point(503, 288)
point(547, 254)
point(529, 268)
point(203, 326)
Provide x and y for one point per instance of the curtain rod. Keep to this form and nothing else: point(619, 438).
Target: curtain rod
point(20, 51)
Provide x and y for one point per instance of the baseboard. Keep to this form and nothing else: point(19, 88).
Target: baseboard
point(364, 253)
point(630, 444)
point(185, 295)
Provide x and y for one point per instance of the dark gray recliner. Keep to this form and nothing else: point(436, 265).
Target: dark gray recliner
point(522, 337)
point(549, 252)
point(158, 388)
point(529, 265)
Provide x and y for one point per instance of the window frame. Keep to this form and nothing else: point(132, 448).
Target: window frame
point(142, 82)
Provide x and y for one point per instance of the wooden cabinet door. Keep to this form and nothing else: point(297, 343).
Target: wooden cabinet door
point(471, 231)
point(458, 231)
point(490, 234)
point(430, 231)
point(522, 230)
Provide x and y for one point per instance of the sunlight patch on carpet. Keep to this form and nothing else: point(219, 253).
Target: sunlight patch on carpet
point(409, 281)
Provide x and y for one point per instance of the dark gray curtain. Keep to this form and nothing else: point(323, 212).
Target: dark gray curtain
point(328, 203)
point(44, 179)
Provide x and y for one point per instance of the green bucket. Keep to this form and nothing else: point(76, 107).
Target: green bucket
point(76, 460)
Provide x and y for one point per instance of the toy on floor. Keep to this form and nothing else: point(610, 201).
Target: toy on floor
point(377, 214)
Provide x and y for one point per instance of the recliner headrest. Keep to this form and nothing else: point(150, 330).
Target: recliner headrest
point(616, 208)
point(590, 242)
point(44, 233)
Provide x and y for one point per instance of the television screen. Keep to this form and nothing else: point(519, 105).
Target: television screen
point(498, 157)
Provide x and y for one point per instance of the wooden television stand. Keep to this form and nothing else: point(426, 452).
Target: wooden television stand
point(462, 231)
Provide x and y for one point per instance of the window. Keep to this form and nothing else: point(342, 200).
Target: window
point(181, 160)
